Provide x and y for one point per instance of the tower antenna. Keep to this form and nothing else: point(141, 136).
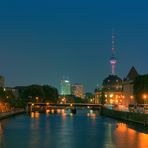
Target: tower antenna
point(113, 60)
point(113, 42)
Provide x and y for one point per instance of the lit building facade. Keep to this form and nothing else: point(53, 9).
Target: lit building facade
point(65, 87)
point(97, 96)
point(77, 90)
point(112, 88)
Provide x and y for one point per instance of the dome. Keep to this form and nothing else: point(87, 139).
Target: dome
point(112, 82)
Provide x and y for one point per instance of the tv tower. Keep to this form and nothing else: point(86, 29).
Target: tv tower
point(113, 60)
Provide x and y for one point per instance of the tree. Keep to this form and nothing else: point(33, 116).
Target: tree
point(38, 93)
point(7, 97)
point(102, 98)
point(51, 94)
point(140, 88)
point(34, 93)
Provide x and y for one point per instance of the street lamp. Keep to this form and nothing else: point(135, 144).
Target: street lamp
point(145, 98)
point(131, 99)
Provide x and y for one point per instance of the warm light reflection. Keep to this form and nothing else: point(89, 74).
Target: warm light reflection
point(121, 127)
point(132, 137)
point(58, 111)
point(143, 140)
point(47, 111)
point(62, 111)
point(35, 114)
point(63, 114)
point(93, 116)
point(52, 111)
point(32, 115)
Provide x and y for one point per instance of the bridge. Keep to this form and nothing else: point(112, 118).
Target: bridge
point(43, 106)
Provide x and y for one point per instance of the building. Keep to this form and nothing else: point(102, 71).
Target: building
point(112, 88)
point(77, 90)
point(65, 87)
point(128, 84)
point(97, 96)
point(112, 85)
point(2, 81)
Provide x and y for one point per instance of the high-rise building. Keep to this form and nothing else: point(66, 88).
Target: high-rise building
point(77, 90)
point(2, 81)
point(65, 87)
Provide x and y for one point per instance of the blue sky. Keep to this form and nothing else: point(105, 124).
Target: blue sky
point(42, 41)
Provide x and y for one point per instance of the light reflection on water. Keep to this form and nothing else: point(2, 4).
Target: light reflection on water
point(63, 129)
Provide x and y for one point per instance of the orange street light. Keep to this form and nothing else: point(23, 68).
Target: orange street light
point(131, 97)
point(144, 97)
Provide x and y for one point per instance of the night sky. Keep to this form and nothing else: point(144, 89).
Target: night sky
point(42, 41)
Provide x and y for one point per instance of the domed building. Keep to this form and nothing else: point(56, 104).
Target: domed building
point(112, 83)
point(112, 88)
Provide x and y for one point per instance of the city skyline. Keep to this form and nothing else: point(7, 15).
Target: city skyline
point(40, 42)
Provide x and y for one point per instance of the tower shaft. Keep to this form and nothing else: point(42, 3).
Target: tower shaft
point(113, 60)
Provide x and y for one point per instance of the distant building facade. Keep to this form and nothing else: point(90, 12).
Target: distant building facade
point(97, 96)
point(128, 84)
point(77, 90)
point(65, 87)
point(2, 81)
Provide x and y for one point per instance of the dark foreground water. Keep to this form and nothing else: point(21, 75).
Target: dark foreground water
point(86, 129)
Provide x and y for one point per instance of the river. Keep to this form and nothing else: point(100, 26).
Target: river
point(62, 129)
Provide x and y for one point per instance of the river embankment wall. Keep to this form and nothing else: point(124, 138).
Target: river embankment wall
point(126, 116)
point(11, 113)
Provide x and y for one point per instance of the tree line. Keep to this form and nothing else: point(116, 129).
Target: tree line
point(32, 93)
point(141, 89)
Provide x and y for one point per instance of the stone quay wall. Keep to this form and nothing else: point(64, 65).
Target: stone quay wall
point(126, 116)
point(11, 113)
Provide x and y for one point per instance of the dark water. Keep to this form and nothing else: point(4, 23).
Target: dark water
point(86, 129)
